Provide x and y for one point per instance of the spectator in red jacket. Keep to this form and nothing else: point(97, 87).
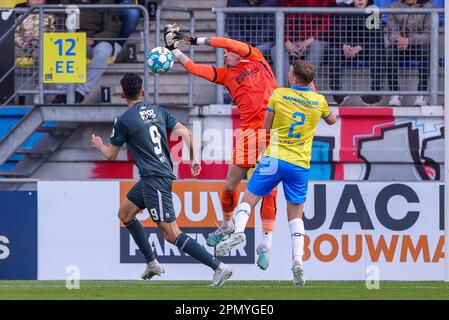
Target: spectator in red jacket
point(306, 34)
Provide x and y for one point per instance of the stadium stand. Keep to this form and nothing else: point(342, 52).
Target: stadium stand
point(10, 117)
point(71, 156)
point(77, 149)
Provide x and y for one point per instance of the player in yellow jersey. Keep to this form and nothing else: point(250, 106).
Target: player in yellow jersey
point(291, 119)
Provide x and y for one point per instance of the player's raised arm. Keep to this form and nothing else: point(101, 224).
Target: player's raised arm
point(240, 48)
point(210, 73)
point(187, 136)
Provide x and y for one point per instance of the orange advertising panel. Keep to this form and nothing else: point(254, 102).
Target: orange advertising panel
point(196, 203)
point(198, 210)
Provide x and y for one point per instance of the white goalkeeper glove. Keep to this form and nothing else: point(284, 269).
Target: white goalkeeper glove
point(170, 31)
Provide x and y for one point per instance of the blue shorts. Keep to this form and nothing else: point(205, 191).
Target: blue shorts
point(271, 171)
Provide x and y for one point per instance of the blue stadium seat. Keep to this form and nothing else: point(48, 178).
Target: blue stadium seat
point(356, 64)
point(386, 3)
point(409, 64)
point(383, 3)
point(438, 3)
point(9, 116)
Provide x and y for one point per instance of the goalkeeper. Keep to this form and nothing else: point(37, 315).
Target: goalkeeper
point(250, 82)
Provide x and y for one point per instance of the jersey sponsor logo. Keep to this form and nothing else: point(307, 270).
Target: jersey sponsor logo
point(289, 142)
point(198, 210)
point(290, 98)
point(244, 74)
point(148, 115)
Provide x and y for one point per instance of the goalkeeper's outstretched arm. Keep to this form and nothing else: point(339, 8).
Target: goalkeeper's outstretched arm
point(210, 73)
point(241, 48)
point(173, 37)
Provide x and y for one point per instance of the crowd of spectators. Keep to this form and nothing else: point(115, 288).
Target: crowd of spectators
point(323, 39)
point(338, 39)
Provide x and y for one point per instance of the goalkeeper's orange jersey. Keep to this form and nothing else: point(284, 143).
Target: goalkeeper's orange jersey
point(250, 83)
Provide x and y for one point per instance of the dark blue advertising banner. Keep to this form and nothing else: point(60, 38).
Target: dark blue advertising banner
point(18, 235)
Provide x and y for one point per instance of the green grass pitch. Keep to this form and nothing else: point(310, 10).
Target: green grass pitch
point(236, 290)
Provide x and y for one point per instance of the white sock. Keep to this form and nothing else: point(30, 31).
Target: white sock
point(266, 239)
point(297, 235)
point(226, 223)
point(242, 217)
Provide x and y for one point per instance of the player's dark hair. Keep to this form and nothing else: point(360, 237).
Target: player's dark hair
point(303, 71)
point(131, 85)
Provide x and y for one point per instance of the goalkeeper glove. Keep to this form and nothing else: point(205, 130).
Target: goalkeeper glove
point(185, 37)
point(169, 36)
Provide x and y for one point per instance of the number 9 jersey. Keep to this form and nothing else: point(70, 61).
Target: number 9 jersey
point(144, 129)
point(297, 111)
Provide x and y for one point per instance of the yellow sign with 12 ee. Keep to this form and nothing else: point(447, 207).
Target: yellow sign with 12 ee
point(64, 57)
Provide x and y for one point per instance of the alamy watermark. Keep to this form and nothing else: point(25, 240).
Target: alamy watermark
point(372, 272)
point(373, 22)
point(73, 277)
point(72, 22)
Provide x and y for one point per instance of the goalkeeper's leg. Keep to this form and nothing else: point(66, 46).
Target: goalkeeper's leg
point(268, 217)
point(266, 177)
point(229, 202)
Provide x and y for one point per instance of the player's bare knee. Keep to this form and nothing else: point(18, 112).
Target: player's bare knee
point(230, 186)
point(124, 215)
point(170, 236)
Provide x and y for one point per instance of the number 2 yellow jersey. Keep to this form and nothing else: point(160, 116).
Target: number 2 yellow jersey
point(297, 111)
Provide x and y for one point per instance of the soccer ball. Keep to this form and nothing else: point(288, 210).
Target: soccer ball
point(160, 60)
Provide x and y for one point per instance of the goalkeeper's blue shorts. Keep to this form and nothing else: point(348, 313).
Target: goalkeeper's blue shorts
point(271, 171)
